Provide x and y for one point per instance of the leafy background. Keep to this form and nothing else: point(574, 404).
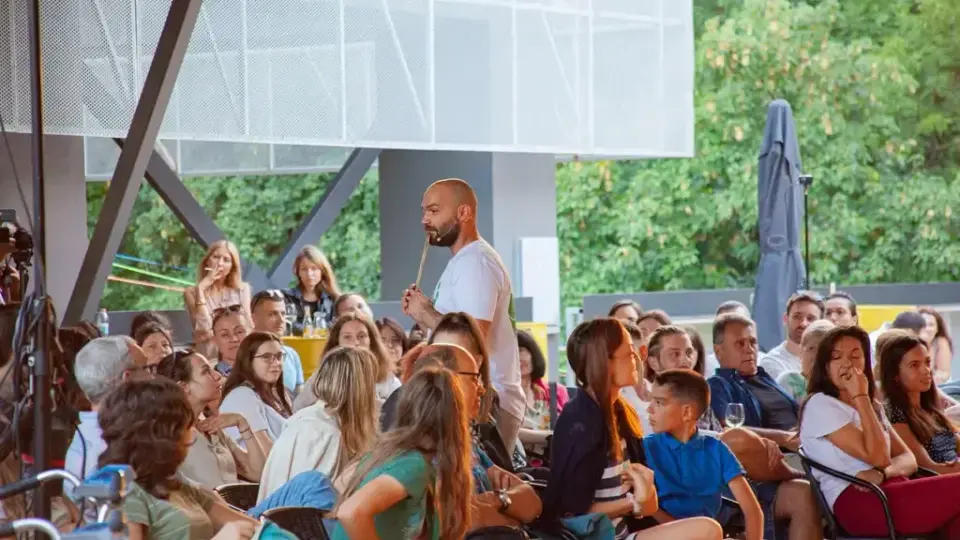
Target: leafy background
point(875, 88)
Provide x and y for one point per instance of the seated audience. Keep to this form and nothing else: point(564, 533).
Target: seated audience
point(536, 423)
point(148, 426)
point(794, 383)
point(768, 410)
point(230, 326)
point(597, 452)
point(911, 321)
point(416, 336)
point(669, 348)
point(341, 425)
point(937, 335)
point(906, 376)
point(352, 330)
point(269, 315)
point(626, 310)
point(638, 396)
point(844, 428)
point(680, 398)
point(699, 350)
point(316, 289)
point(145, 317)
point(500, 498)
point(730, 306)
point(418, 474)
point(803, 308)
point(352, 303)
point(394, 339)
point(255, 390)
point(219, 286)
point(155, 341)
point(841, 309)
point(100, 367)
point(214, 459)
point(651, 320)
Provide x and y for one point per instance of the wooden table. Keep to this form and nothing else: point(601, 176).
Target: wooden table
point(310, 351)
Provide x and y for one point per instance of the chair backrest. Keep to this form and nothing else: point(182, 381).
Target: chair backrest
point(305, 522)
point(242, 495)
point(833, 528)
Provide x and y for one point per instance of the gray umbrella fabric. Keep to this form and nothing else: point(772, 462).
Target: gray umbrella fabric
point(780, 211)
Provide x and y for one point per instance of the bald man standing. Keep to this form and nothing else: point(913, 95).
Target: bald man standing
point(475, 281)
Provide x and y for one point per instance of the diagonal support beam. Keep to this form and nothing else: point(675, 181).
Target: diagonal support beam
point(325, 211)
point(141, 138)
point(164, 180)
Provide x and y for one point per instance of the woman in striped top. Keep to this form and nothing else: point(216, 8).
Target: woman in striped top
point(598, 458)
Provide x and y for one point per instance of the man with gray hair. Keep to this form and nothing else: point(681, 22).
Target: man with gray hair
point(100, 366)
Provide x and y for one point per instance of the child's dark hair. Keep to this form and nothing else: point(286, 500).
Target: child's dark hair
point(686, 385)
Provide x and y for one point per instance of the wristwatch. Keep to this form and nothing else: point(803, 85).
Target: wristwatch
point(505, 500)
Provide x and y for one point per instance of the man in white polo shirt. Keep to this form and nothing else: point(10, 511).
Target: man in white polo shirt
point(475, 282)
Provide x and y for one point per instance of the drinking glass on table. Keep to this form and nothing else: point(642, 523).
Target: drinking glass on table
point(735, 415)
point(291, 317)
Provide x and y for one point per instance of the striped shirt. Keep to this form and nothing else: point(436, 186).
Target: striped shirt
point(611, 488)
point(183, 516)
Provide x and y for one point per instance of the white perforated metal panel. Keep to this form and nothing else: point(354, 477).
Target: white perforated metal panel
point(587, 77)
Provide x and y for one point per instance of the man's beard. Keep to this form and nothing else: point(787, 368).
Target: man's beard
point(447, 237)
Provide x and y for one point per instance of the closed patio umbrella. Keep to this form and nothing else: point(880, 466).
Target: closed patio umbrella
point(779, 199)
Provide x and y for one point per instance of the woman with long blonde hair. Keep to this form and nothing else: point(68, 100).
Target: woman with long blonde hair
point(352, 330)
point(316, 287)
point(219, 285)
point(416, 482)
point(329, 434)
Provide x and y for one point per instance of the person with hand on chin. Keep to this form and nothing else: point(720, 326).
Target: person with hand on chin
point(844, 428)
point(475, 281)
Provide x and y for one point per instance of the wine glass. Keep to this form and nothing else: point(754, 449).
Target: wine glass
point(735, 415)
point(291, 317)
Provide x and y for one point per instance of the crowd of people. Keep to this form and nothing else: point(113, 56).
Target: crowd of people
point(444, 431)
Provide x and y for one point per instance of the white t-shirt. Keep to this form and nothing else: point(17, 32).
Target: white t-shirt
point(476, 282)
point(629, 393)
point(779, 360)
point(822, 415)
point(245, 402)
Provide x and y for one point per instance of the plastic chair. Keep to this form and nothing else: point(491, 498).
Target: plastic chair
point(242, 495)
point(834, 530)
point(303, 521)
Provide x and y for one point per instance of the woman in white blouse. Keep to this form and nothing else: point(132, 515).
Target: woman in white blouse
point(214, 459)
point(255, 389)
point(352, 330)
point(844, 428)
point(342, 424)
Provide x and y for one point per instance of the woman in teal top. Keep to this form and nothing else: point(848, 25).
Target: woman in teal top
point(417, 484)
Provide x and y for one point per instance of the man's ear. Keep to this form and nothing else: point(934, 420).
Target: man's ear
point(643, 352)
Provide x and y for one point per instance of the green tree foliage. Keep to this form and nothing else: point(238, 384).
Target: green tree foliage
point(259, 214)
point(875, 89)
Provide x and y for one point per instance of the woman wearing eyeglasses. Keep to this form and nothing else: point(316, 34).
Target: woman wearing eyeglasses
point(219, 285)
point(255, 389)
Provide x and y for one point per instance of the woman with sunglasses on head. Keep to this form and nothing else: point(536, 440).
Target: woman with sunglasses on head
point(907, 379)
point(147, 424)
point(255, 389)
point(353, 330)
point(219, 285)
point(155, 341)
point(214, 459)
point(844, 428)
point(316, 290)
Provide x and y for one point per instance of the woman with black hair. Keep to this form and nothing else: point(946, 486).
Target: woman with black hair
point(536, 426)
point(844, 428)
point(906, 377)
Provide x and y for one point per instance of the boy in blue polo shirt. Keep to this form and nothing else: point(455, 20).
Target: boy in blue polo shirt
point(690, 469)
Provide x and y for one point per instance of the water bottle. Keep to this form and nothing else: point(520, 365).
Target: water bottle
point(103, 322)
point(307, 323)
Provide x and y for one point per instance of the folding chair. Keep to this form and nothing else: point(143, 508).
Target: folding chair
point(240, 495)
point(305, 522)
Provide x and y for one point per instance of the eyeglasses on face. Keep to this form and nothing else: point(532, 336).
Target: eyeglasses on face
point(476, 376)
point(271, 357)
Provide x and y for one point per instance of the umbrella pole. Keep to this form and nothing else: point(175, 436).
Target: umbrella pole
point(806, 181)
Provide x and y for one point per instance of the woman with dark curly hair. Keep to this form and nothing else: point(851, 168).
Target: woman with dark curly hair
point(155, 340)
point(147, 424)
point(255, 389)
